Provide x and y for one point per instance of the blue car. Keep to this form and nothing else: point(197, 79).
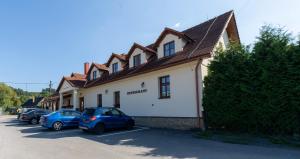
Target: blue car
point(60, 119)
point(99, 119)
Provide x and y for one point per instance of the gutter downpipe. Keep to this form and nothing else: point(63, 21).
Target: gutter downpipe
point(199, 61)
point(197, 76)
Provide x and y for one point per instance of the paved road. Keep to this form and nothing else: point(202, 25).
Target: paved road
point(21, 141)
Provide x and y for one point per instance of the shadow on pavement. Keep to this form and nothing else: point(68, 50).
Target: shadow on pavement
point(159, 143)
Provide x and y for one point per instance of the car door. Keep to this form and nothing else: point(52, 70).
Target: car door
point(117, 118)
point(109, 119)
point(76, 118)
point(67, 118)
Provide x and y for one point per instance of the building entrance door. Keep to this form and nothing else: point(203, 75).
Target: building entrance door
point(81, 104)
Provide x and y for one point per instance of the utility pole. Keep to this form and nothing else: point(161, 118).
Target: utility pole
point(50, 87)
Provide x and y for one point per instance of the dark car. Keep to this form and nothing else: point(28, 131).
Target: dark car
point(61, 119)
point(24, 110)
point(102, 118)
point(33, 116)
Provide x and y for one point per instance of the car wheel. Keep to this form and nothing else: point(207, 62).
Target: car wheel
point(99, 128)
point(129, 125)
point(34, 121)
point(84, 130)
point(57, 126)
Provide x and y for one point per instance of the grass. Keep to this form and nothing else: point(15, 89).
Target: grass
point(248, 139)
point(283, 140)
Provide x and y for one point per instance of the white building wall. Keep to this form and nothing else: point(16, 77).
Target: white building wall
point(136, 52)
point(65, 87)
point(223, 41)
point(181, 104)
point(179, 44)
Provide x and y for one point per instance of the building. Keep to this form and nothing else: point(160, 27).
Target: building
point(160, 84)
point(33, 102)
point(51, 102)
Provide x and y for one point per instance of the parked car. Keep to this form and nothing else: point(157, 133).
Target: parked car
point(33, 116)
point(99, 119)
point(24, 110)
point(12, 110)
point(60, 119)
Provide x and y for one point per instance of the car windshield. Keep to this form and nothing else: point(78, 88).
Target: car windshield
point(51, 113)
point(89, 111)
point(28, 110)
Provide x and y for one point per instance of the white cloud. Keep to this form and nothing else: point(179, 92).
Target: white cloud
point(177, 25)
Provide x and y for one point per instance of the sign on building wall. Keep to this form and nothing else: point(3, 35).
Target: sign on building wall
point(137, 91)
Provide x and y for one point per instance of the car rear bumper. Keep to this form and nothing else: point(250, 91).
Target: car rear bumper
point(45, 124)
point(85, 126)
point(24, 119)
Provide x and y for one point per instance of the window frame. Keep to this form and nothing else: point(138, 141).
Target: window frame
point(99, 104)
point(137, 60)
point(94, 74)
point(115, 67)
point(167, 51)
point(167, 84)
point(117, 101)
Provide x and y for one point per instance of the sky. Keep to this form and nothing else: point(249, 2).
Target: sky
point(46, 40)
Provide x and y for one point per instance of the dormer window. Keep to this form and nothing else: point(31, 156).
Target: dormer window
point(115, 67)
point(169, 48)
point(94, 75)
point(136, 60)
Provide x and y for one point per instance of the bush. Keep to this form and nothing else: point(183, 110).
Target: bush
point(256, 91)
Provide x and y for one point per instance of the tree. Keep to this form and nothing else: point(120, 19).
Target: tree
point(256, 91)
point(226, 87)
point(8, 96)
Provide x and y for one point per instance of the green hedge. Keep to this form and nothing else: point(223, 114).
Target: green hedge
point(256, 91)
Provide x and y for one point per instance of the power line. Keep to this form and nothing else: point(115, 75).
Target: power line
point(50, 85)
point(28, 83)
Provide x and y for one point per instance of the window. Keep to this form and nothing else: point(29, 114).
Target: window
point(136, 60)
point(76, 114)
point(67, 113)
point(114, 112)
point(94, 74)
point(117, 99)
point(169, 48)
point(115, 67)
point(164, 87)
point(99, 97)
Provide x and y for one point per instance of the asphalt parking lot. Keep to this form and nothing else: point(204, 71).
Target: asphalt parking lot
point(23, 141)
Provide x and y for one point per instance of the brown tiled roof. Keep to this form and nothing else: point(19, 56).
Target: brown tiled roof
point(145, 49)
point(204, 38)
point(170, 31)
point(75, 81)
point(78, 75)
point(98, 66)
point(101, 67)
point(121, 57)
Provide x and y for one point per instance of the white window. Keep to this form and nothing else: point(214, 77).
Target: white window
point(169, 48)
point(136, 60)
point(115, 67)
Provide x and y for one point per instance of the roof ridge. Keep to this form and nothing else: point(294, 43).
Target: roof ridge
point(211, 19)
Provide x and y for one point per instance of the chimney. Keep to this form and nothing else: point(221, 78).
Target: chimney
point(86, 67)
